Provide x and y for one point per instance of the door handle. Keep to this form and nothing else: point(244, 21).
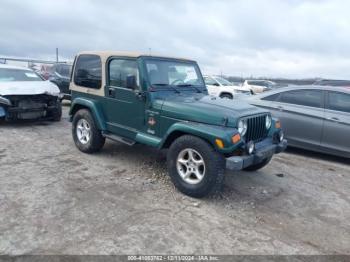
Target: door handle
point(140, 95)
point(280, 108)
point(111, 92)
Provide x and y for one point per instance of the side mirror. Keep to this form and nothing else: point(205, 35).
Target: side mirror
point(131, 81)
point(216, 84)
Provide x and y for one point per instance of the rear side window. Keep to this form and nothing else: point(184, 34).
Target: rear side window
point(312, 98)
point(258, 83)
point(88, 71)
point(339, 102)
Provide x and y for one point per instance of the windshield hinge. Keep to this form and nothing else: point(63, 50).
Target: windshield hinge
point(225, 121)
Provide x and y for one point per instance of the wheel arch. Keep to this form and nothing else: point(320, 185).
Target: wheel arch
point(172, 137)
point(206, 132)
point(92, 106)
point(226, 93)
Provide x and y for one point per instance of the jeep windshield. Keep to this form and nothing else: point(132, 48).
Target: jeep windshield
point(174, 74)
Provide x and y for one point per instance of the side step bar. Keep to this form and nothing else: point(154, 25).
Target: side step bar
point(120, 139)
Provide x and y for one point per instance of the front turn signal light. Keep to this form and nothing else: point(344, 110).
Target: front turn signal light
point(219, 143)
point(236, 138)
point(278, 124)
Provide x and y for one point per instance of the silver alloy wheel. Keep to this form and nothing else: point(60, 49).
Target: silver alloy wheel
point(83, 131)
point(190, 166)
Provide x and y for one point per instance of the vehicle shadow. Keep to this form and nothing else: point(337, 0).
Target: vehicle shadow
point(316, 155)
point(26, 123)
point(66, 103)
point(239, 187)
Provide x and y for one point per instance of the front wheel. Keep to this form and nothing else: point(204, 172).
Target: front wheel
point(258, 166)
point(87, 137)
point(57, 113)
point(194, 166)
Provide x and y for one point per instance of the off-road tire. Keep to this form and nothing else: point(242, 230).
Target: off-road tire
point(258, 166)
point(57, 112)
point(96, 141)
point(214, 176)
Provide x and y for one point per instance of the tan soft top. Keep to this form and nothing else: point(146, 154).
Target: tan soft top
point(106, 54)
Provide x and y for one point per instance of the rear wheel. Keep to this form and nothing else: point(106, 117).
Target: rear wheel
point(87, 137)
point(194, 166)
point(258, 166)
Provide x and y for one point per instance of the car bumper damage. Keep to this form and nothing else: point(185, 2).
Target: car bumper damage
point(263, 150)
point(27, 107)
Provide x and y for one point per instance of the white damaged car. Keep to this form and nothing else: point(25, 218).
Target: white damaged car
point(220, 87)
point(25, 95)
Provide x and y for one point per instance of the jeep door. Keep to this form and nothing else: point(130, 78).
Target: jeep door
point(124, 106)
point(335, 138)
point(301, 113)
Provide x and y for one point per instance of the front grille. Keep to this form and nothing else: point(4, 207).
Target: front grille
point(16, 100)
point(256, 128)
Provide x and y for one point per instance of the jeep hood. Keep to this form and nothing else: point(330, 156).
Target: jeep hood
point(207, 109)
point(28, 88)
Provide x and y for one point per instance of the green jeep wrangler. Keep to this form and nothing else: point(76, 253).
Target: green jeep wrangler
point(163, 102)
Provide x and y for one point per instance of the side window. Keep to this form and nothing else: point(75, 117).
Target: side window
point(312, 98)
point(256, 83)
point(339, 102)
point(209, 81)
point(88, 71)
point(120, 69)
point(273, 97)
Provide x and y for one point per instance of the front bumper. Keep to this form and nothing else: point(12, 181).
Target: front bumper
point(264, 150)
point(29, 107)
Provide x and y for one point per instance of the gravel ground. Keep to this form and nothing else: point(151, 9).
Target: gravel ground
point(57, 200)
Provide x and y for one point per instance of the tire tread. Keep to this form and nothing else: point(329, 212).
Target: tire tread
point(97, 140)
point(215, 166)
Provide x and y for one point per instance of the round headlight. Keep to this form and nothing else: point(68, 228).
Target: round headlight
point(268, 122)
point(242, 127)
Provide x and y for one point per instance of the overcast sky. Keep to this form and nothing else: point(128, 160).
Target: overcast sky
point(285, 38)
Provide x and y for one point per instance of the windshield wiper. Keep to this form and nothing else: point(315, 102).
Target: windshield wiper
point(189, 85)
point(175, 89)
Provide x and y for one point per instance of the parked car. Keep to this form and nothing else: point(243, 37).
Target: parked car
point(330, 82)
point(314, 117)
point(220, 87)
point(258, 86)
point(163, 102)
point(60, 75)
point(25, 95)
point(45, 71)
